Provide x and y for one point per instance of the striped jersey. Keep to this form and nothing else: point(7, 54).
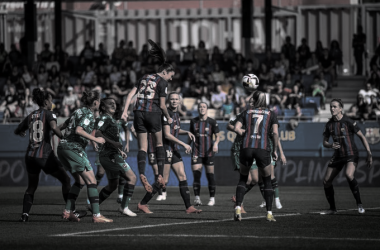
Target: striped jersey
point(258, 123)
point(149, 90)
point(84, 118)
point(203, 132)
point(38, 123)
point(175, 126)
point(343, 132)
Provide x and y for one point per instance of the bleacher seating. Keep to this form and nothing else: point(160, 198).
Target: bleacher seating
point(313, 99)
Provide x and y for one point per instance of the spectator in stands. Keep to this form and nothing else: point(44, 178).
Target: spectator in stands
point(374, 108)
point(42, 76)
point(280, 95)
point(263, 74)
point(367, 93)
point(26, 76)
point(318, 89)
point(46, 53)
point(87, 76)
point(268, 60)
point(336, 55)
point(327, 65)
point(100, 54)
point(312, 65)
point(171, 54)
point(15, 79)
point(294, 98)
point(288, 49)
point(15, 56)
point(255, 62)
point(130, 54)
point(288, 83)
point(201, 54)
point(284, 62)
point(52, 62)
point(3, 57)
point(374, 76)
point(319, 49)
point(218, 98)
point(243, 105)
point(358, 110)
point(229, 53)
point(297, 65)
point(190, 72)
point(87, 53)
point(240, 61)
point(188, 54)
point(118, 53)
point(216, 56)
point(115, 75)
point(359, 45)
point(227, 108)
point(218, 74)
point(278, 70)
point(70, 102)
point(59, 54)
point(304, 51)
point(53, 73)
point(11, 97)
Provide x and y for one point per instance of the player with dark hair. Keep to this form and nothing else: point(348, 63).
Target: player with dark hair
point(173, 159)
point(112, 158)
point(151, 92)
point(342, 131)
point(71, 153)
point(40, 155)
point(259, 122)
point(204, 149)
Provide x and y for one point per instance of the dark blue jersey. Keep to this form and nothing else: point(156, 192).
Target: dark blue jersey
point(149, 90)
point(343, 132)
point(175, 126)
point(258, 123)
point(38, 124)
point(203, 132)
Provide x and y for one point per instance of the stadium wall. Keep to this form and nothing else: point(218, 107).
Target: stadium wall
point(306, 158)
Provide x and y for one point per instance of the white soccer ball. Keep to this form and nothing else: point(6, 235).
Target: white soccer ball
point(250, 82)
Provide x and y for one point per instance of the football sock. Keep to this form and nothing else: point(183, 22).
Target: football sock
point(72, 196)
point(249, 187)
point(211, 184)
point(354, 186)
point(141, 160)
point(148, 196)
point(93, 196)
point(160, 152)
point(197, 182)
point(275, 187)
point(329, 192)
point(164, 189)
point(155, 179)
point(27, 203)
point(127, 195)
point(185, 193)
point(268, 193)
point(261, 186)
point(240, 189)
point(120, 188)
point(103, 195)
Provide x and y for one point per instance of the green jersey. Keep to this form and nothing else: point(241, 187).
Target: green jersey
point(110, 128)
point(84, 118)
point(239, 139)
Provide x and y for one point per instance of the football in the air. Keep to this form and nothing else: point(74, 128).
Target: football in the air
point(250, 82)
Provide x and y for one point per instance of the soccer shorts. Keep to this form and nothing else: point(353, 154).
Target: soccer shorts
point(340, 162)
point(206, 161)
point(49, 165)
point(172, 157)
point(248, 155)
point(147, 122)
point(74, 160)
point(114, 165)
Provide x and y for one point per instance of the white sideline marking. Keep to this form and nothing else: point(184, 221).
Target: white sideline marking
point(351, 209)
point(225, 236)
point(163, 225)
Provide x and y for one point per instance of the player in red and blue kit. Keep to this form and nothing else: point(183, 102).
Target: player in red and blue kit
point(40, 155)
point(151, 92)
point(204, 128)
point(342, 131)
point(260, 123)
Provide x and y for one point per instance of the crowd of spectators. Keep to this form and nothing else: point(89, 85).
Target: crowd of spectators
point(205, 74)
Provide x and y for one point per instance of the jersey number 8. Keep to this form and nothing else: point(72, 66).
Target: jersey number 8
point(36, 131)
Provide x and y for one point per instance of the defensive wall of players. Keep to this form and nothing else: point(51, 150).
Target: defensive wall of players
point(306, 158)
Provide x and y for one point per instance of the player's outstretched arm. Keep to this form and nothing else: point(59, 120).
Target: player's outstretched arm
point(124, 116)
point(80, 131)
point(184, 132)
point(366, 145)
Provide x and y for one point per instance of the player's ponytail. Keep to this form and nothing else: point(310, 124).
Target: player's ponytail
point(88, 98)
point(39, 96)
point(158, 53)
point(259, 100)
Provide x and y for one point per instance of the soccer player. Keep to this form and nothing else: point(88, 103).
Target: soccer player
point(173, 158)
point(71, 153)
point(112, 158)
point(151, 92)
point(342, 131)
point(259, 122)
point(40, 154)
point(204, 149)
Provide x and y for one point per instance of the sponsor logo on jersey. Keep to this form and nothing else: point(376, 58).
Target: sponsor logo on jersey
point(100, 124)
point(113, 160)
point(165, 118)
point(206, 129)
point(372, 135)
point(125, 165)
point(54, 116)
point(86, 121)
point(342, 129)
point(256, 136)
